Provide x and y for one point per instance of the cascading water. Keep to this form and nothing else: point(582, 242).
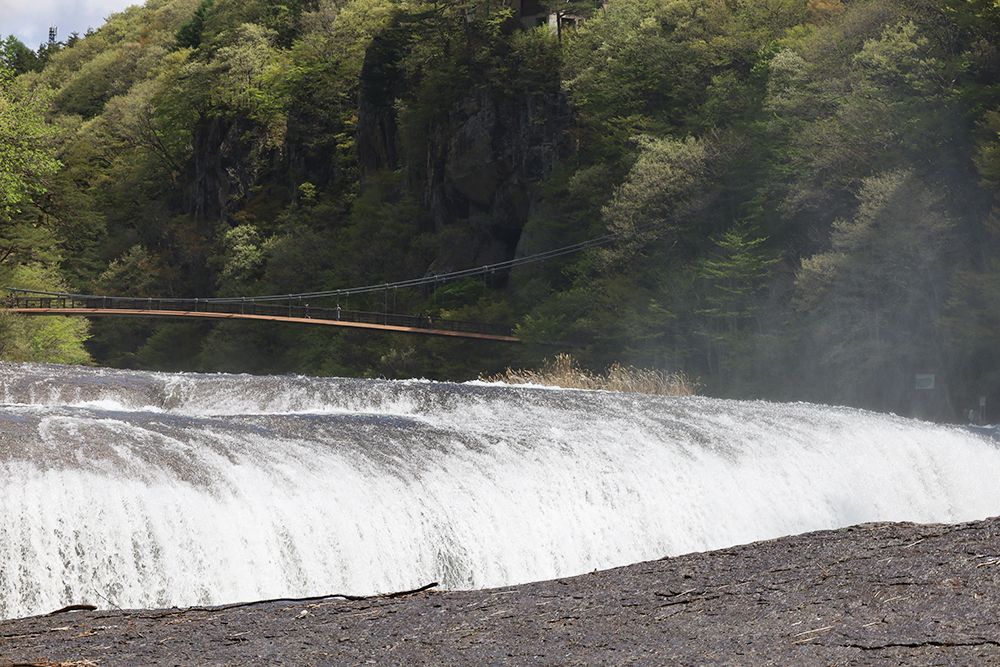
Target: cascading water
point(152, 490)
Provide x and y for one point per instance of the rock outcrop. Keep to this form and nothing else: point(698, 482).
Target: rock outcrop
point(485, 164)
point(481, 162)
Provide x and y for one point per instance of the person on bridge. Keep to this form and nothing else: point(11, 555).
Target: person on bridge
point(338, 311)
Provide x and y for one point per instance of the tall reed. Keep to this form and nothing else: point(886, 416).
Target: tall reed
point(565, 371)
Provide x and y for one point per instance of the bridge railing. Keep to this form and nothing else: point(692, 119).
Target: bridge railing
point(295, 310)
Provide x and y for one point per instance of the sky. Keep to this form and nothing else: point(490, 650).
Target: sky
point(29, 20)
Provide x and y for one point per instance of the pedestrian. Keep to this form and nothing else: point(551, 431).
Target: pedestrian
point(338, 311)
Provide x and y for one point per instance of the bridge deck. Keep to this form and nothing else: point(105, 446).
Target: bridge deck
point(290, 314)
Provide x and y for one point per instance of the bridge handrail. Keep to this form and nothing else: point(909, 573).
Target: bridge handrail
point(248, 306)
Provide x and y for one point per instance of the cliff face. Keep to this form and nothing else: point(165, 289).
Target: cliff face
point(476, 164)
point(218, 174)
point(229, 158)
point(484, 159)
point(485, 164)
point(382, 83)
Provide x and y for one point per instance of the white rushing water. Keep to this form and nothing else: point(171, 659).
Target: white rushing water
point(152, 490)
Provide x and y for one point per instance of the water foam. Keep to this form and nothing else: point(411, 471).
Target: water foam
point(232, 488)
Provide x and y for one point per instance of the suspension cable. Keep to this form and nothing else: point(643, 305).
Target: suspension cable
point(414, 282)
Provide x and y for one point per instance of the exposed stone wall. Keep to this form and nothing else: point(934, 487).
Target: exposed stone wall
point(485, 161)
point(222, 168)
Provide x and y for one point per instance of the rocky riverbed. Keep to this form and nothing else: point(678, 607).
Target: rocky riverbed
point(875, 594)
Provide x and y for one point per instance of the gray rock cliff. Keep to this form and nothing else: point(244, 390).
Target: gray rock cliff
point(482, 164)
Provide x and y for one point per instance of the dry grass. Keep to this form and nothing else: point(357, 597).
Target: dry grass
point(565, 372)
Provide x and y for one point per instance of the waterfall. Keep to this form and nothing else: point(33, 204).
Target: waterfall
point(138, 489)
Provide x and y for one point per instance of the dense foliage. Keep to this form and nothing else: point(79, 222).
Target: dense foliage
point(803, 193)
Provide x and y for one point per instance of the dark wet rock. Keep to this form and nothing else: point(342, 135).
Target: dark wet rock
point(875, 594)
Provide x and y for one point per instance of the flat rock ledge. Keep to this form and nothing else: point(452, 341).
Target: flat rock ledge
point(874, 594)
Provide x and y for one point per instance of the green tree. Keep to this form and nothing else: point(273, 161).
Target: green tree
point(17, 57)
point(27, 166)
point(647, 60)
point(872, 302)
point(987, 156)
point(189, 35)
point(53, 340)
point(666, 187)
point(735, 275)
point(971, 324)
point(243, 260)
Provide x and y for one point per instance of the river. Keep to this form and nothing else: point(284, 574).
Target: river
point(137, 489)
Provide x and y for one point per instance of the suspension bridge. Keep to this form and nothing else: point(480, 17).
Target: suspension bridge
point(295, 308)
point(293, 311)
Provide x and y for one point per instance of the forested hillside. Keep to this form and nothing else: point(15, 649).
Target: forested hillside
point(802, 193)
